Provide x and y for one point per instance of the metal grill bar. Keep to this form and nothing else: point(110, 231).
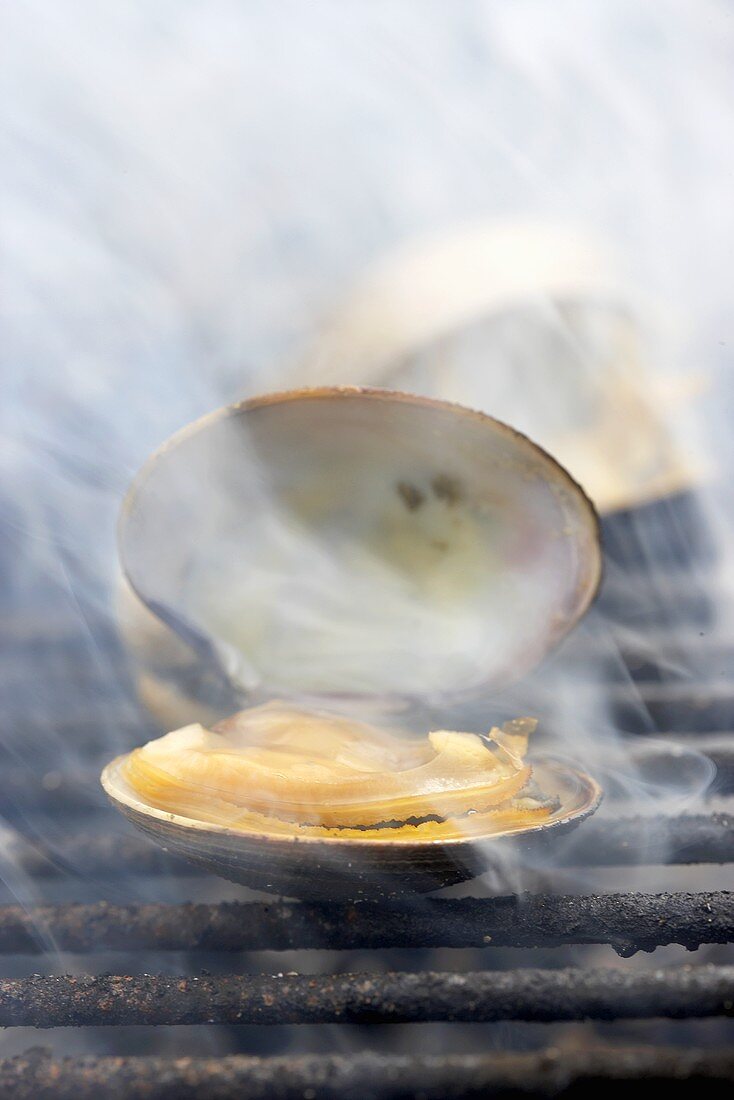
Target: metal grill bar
point(54, 791)
point(662, 707)
point(688, 838)
point(628, 922)
point(79, 792)
point(655, 657)
point(678, 708)
point(657, 764)
point(479, 997)
point(358, 1076)
point(693, 838)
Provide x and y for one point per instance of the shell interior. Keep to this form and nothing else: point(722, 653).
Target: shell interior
point(360, 543)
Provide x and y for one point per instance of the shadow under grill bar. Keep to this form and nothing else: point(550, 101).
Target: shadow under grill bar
point(628, 922)
point(357, 1076)
point(45, 1001)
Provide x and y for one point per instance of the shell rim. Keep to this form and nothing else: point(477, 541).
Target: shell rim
point(128, 800)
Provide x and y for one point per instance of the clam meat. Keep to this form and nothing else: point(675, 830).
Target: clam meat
point(288, 771)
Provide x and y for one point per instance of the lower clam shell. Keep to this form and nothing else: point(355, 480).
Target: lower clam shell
point(310, 867)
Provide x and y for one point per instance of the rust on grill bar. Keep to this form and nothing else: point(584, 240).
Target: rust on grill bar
point(480, 997)
point(687, 838)
point(626, 921)
point(36, 1076)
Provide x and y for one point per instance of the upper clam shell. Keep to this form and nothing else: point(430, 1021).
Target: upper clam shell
point(348, 542)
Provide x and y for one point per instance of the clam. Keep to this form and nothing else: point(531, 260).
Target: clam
point(310, 803)
point(533, 322)
point(349, 552)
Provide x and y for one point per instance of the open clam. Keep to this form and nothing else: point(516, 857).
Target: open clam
point(352, 550)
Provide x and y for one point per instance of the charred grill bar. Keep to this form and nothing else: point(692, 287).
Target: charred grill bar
point(36, 1076)
point(626, 921)
point(481, 997)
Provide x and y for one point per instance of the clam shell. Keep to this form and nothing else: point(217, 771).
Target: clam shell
point(533, 322)
point(316, 867)
point(346, 465)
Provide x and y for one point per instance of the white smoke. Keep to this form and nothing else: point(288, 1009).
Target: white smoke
point(188, 188)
